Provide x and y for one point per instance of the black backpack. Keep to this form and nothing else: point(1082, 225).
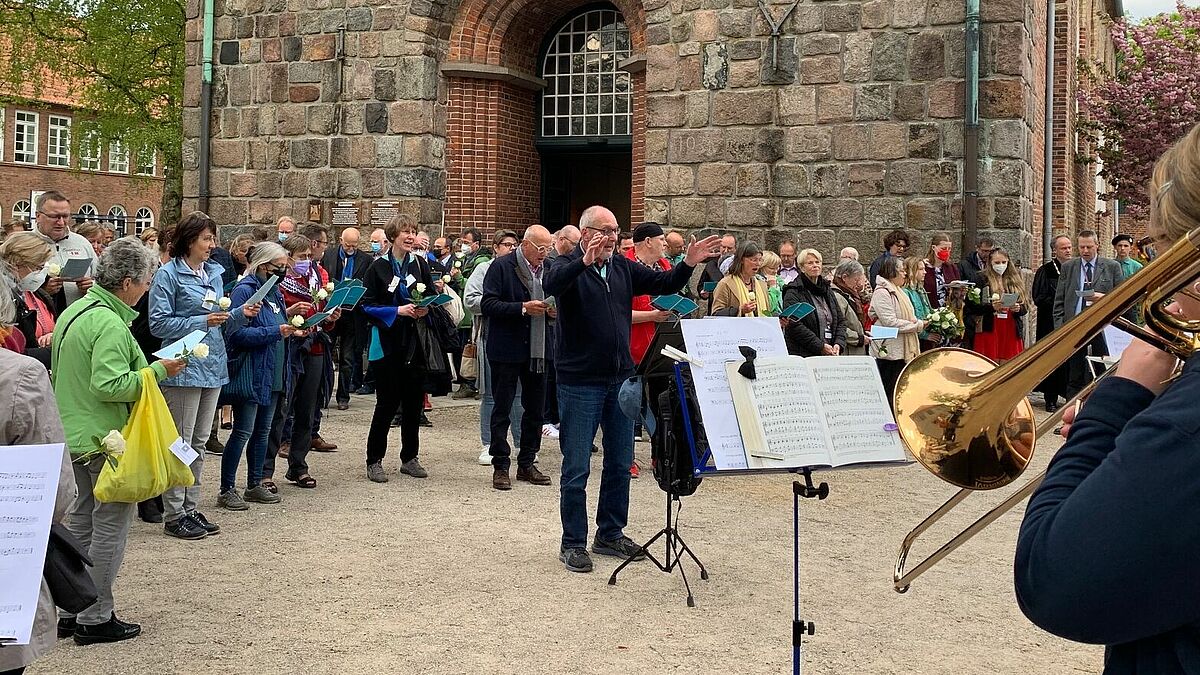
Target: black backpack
point(669, 451)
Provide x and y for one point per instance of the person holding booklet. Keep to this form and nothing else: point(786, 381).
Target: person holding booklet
point(741, 292)
point(821, 332)
point(916, 270)
point(1003, 303)
point(891, 307)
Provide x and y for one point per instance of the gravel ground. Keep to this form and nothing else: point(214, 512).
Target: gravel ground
point(446, 575)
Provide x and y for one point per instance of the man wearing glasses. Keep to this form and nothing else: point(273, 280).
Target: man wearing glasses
point(594, 291)
point(895, 244)
point(977, 260)
point(53, 218)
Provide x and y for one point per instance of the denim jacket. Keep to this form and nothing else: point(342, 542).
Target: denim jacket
point(259, 337)
point(177, 308)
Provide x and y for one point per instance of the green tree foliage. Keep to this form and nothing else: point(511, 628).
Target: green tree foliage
point(125, 60)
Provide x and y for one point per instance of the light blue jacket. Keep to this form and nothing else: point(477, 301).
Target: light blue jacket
point(177, 308)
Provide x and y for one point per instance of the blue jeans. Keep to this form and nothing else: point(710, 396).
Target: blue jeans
point(486, 403)
point(251, 424)
point(583, 408)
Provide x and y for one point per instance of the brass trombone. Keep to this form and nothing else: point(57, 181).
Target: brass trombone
point(968, 422)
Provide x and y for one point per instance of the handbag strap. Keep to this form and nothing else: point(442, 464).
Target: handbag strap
point(62, 334)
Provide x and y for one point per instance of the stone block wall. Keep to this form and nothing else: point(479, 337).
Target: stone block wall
point(846, 125)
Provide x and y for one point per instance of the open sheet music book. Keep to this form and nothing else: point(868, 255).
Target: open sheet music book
point(816, 411)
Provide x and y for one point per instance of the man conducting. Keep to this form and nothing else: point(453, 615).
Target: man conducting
point(595, 291)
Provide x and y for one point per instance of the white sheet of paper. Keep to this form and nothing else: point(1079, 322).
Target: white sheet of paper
point(183, 451)
point(263, 290)
point(1117, 340)
point(410, 280)
point(394, 285)
point(789, 415)
point(28, 488)
point(883, 332)
point(189, 342)
point(856, 410)
point(715, 340)
point(75, 268)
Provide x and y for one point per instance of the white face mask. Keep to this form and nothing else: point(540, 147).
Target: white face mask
point(465, 248)
point(32, 281)
point(1000, 268)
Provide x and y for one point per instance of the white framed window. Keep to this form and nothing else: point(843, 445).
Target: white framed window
point(586, 93)
point(89, 152)
point(118, 160)
point(58, 141)
point(87, 212)
point(143, 218)
point(118, 213)
point(25, 137)
point(146, 162)
point(20, 211)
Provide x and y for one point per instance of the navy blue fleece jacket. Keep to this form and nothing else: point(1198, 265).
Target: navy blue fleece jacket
point(1109, 551)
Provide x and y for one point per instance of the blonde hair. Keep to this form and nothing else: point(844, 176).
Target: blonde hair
point(802, 256)
point(770, 263)
point(88, 229)
point(1175, 190)
point(25, 249)
point(147, 233)
point(1011, 282)
point(911, 264)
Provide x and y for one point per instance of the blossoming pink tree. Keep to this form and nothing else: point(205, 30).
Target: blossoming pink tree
point(1149, 102)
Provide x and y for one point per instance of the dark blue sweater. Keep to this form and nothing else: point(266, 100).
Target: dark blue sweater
point(1109, 552)
point(595, 314)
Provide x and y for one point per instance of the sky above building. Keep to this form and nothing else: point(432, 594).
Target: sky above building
point(1140, 9)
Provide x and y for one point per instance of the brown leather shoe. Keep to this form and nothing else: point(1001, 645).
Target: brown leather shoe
point(284, 448)
point(500, 480)
point(532, 475)
point(321, 445)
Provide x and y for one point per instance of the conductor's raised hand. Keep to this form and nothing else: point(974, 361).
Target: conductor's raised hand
point(699, 251)
point(594, 250)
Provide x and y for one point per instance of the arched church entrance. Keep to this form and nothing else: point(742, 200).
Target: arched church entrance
point(544, 112)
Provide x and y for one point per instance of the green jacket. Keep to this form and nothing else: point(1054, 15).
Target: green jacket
point(96, 367)
point(467, 265)
point(920, 303)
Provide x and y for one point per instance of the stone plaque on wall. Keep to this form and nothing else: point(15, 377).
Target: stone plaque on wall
point(382, 212)
point(345, 214)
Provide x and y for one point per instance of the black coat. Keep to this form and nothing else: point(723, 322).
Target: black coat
point(354, 321)
point(985, 310)
point(806, 337)
point(508, 328)
point(399, 338)
point(1045, 282)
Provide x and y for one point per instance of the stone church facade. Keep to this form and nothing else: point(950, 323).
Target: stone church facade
point(829, 122)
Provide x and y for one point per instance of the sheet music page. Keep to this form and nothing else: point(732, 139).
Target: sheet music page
point(856, 410)
point(714, 341)
point(790, 415)
point(28, 488)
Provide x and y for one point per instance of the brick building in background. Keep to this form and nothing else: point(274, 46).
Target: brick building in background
point(109, 184)
point(842, 123)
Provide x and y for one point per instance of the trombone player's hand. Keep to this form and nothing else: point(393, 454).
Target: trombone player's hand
point(1142, 363)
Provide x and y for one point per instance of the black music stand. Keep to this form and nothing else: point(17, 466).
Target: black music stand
point(657, 371)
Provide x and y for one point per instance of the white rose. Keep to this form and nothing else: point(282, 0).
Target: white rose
point(995, 297)
point(322, 294)
point(224, 303)
point(420, 287)
point(201, 351)
point(445, 278)
point(750, 295)
point(297, 321)
point(53, 269)
point(113, 443)
point(329, 287)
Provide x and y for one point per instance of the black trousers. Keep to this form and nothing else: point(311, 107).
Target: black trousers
point(1079, 374)
point(305, 396)
point(504, 379)
point(889, 372)
point(350, 375)
point(550, 410)
point(399, 387)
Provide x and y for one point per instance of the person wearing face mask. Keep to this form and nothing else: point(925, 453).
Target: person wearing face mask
point(260, 345)
point(939, 271)
point(284, 228)
point(24, 255)
point(183, 299)
point(472, 254)
point(1000, 336)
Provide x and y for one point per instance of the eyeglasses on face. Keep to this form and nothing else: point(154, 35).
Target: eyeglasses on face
point(56, 217)
point(606, 231)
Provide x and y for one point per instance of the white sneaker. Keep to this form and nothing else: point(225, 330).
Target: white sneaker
point(485, 456)
point(549, 431)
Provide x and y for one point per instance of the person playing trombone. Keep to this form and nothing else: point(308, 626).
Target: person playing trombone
point(1108, 552)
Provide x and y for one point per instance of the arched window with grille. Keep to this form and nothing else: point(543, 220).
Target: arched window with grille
point(586, 94)
point(20, 211)
point(86, 212)
point(118, 215)
point(143, 218)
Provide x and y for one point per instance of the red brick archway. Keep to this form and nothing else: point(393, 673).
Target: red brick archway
point(493, 168)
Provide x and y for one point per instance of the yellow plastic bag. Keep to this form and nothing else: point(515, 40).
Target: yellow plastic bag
point(147, 468)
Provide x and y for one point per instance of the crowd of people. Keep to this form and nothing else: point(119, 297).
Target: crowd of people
point(504, 326)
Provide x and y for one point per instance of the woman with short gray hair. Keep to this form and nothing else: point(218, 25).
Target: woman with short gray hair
point(849, 280)
point(96, 372)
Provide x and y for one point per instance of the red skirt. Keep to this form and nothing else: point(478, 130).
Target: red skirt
point(1001, 343)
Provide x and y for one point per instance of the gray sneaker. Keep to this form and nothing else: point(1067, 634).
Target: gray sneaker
point(231, 500)
point(413, 468)
point(621, 548)
point(375, 472)
point(576, 559)
point(260, 495)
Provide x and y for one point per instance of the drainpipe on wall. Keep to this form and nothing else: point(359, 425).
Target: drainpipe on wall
point(971, 129)
point(1048, 141)
point(206, 104)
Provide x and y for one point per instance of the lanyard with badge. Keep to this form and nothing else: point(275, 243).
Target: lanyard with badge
point(395, 284)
